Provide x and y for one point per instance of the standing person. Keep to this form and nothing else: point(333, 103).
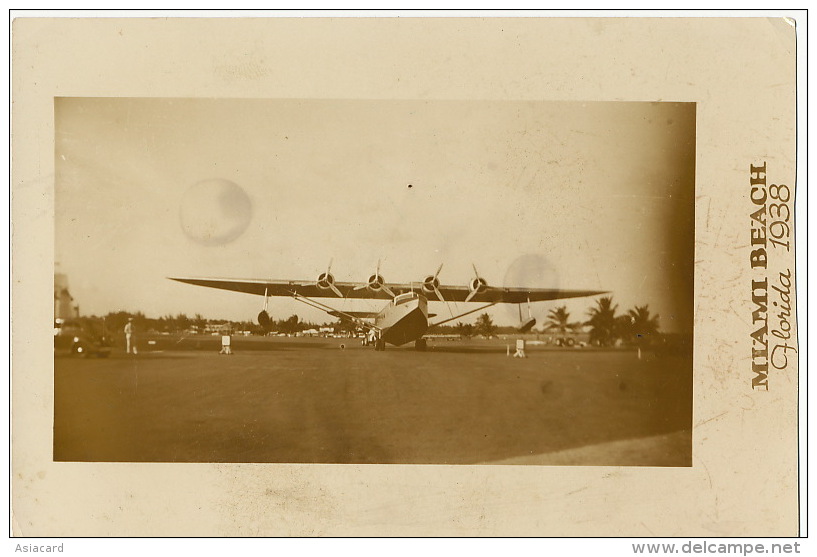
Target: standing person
point(129, 337)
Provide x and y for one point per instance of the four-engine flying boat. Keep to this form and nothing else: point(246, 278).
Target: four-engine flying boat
point(406, 317)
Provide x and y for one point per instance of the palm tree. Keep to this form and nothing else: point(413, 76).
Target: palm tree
point(603, 322)
point(643, 326)
point(559, 320)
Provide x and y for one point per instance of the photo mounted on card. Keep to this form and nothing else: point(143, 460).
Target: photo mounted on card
point(314, 278)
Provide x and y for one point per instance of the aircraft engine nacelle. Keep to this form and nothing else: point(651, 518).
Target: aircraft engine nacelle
point(430, 284)
point(325, 281)
point(477, 285)
point(265, 320)
point(375, 282)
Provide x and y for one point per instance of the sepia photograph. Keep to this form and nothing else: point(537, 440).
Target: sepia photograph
point(400, 275)
point(438, 282)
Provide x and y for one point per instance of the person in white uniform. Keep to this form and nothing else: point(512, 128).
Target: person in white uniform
point(129, 345)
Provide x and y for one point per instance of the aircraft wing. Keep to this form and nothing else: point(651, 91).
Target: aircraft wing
point(305, 288)
point(358, 290)
point(510, 295)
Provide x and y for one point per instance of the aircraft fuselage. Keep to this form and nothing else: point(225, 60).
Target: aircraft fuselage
point(405, 319)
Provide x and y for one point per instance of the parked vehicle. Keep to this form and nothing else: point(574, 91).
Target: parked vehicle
point(81, 337)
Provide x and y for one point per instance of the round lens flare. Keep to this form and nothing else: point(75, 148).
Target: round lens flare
point(531, 270)
point(215, 212)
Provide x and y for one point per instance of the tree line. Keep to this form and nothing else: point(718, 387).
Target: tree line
point(606, 328)
point(115, 322)
point(637, 326)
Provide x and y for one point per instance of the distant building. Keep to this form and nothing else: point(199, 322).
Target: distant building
point(64, 307)
point(217, 328)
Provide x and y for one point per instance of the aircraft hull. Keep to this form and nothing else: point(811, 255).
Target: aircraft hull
point(404, 323)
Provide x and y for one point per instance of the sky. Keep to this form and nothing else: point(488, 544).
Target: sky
point(565, 195)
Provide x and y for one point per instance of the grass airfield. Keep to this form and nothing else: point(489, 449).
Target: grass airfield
point(293, 400)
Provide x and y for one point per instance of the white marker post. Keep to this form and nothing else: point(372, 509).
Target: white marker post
point(520, 349)
point(225, 345)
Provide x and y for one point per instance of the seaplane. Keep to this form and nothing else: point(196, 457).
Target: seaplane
point(406, 317)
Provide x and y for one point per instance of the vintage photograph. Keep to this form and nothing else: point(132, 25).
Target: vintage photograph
point(373, 281)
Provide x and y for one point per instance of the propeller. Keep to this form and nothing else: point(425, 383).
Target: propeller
point(327, 282)
point(376, 283)
point(432, 284)
point(477, 285)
